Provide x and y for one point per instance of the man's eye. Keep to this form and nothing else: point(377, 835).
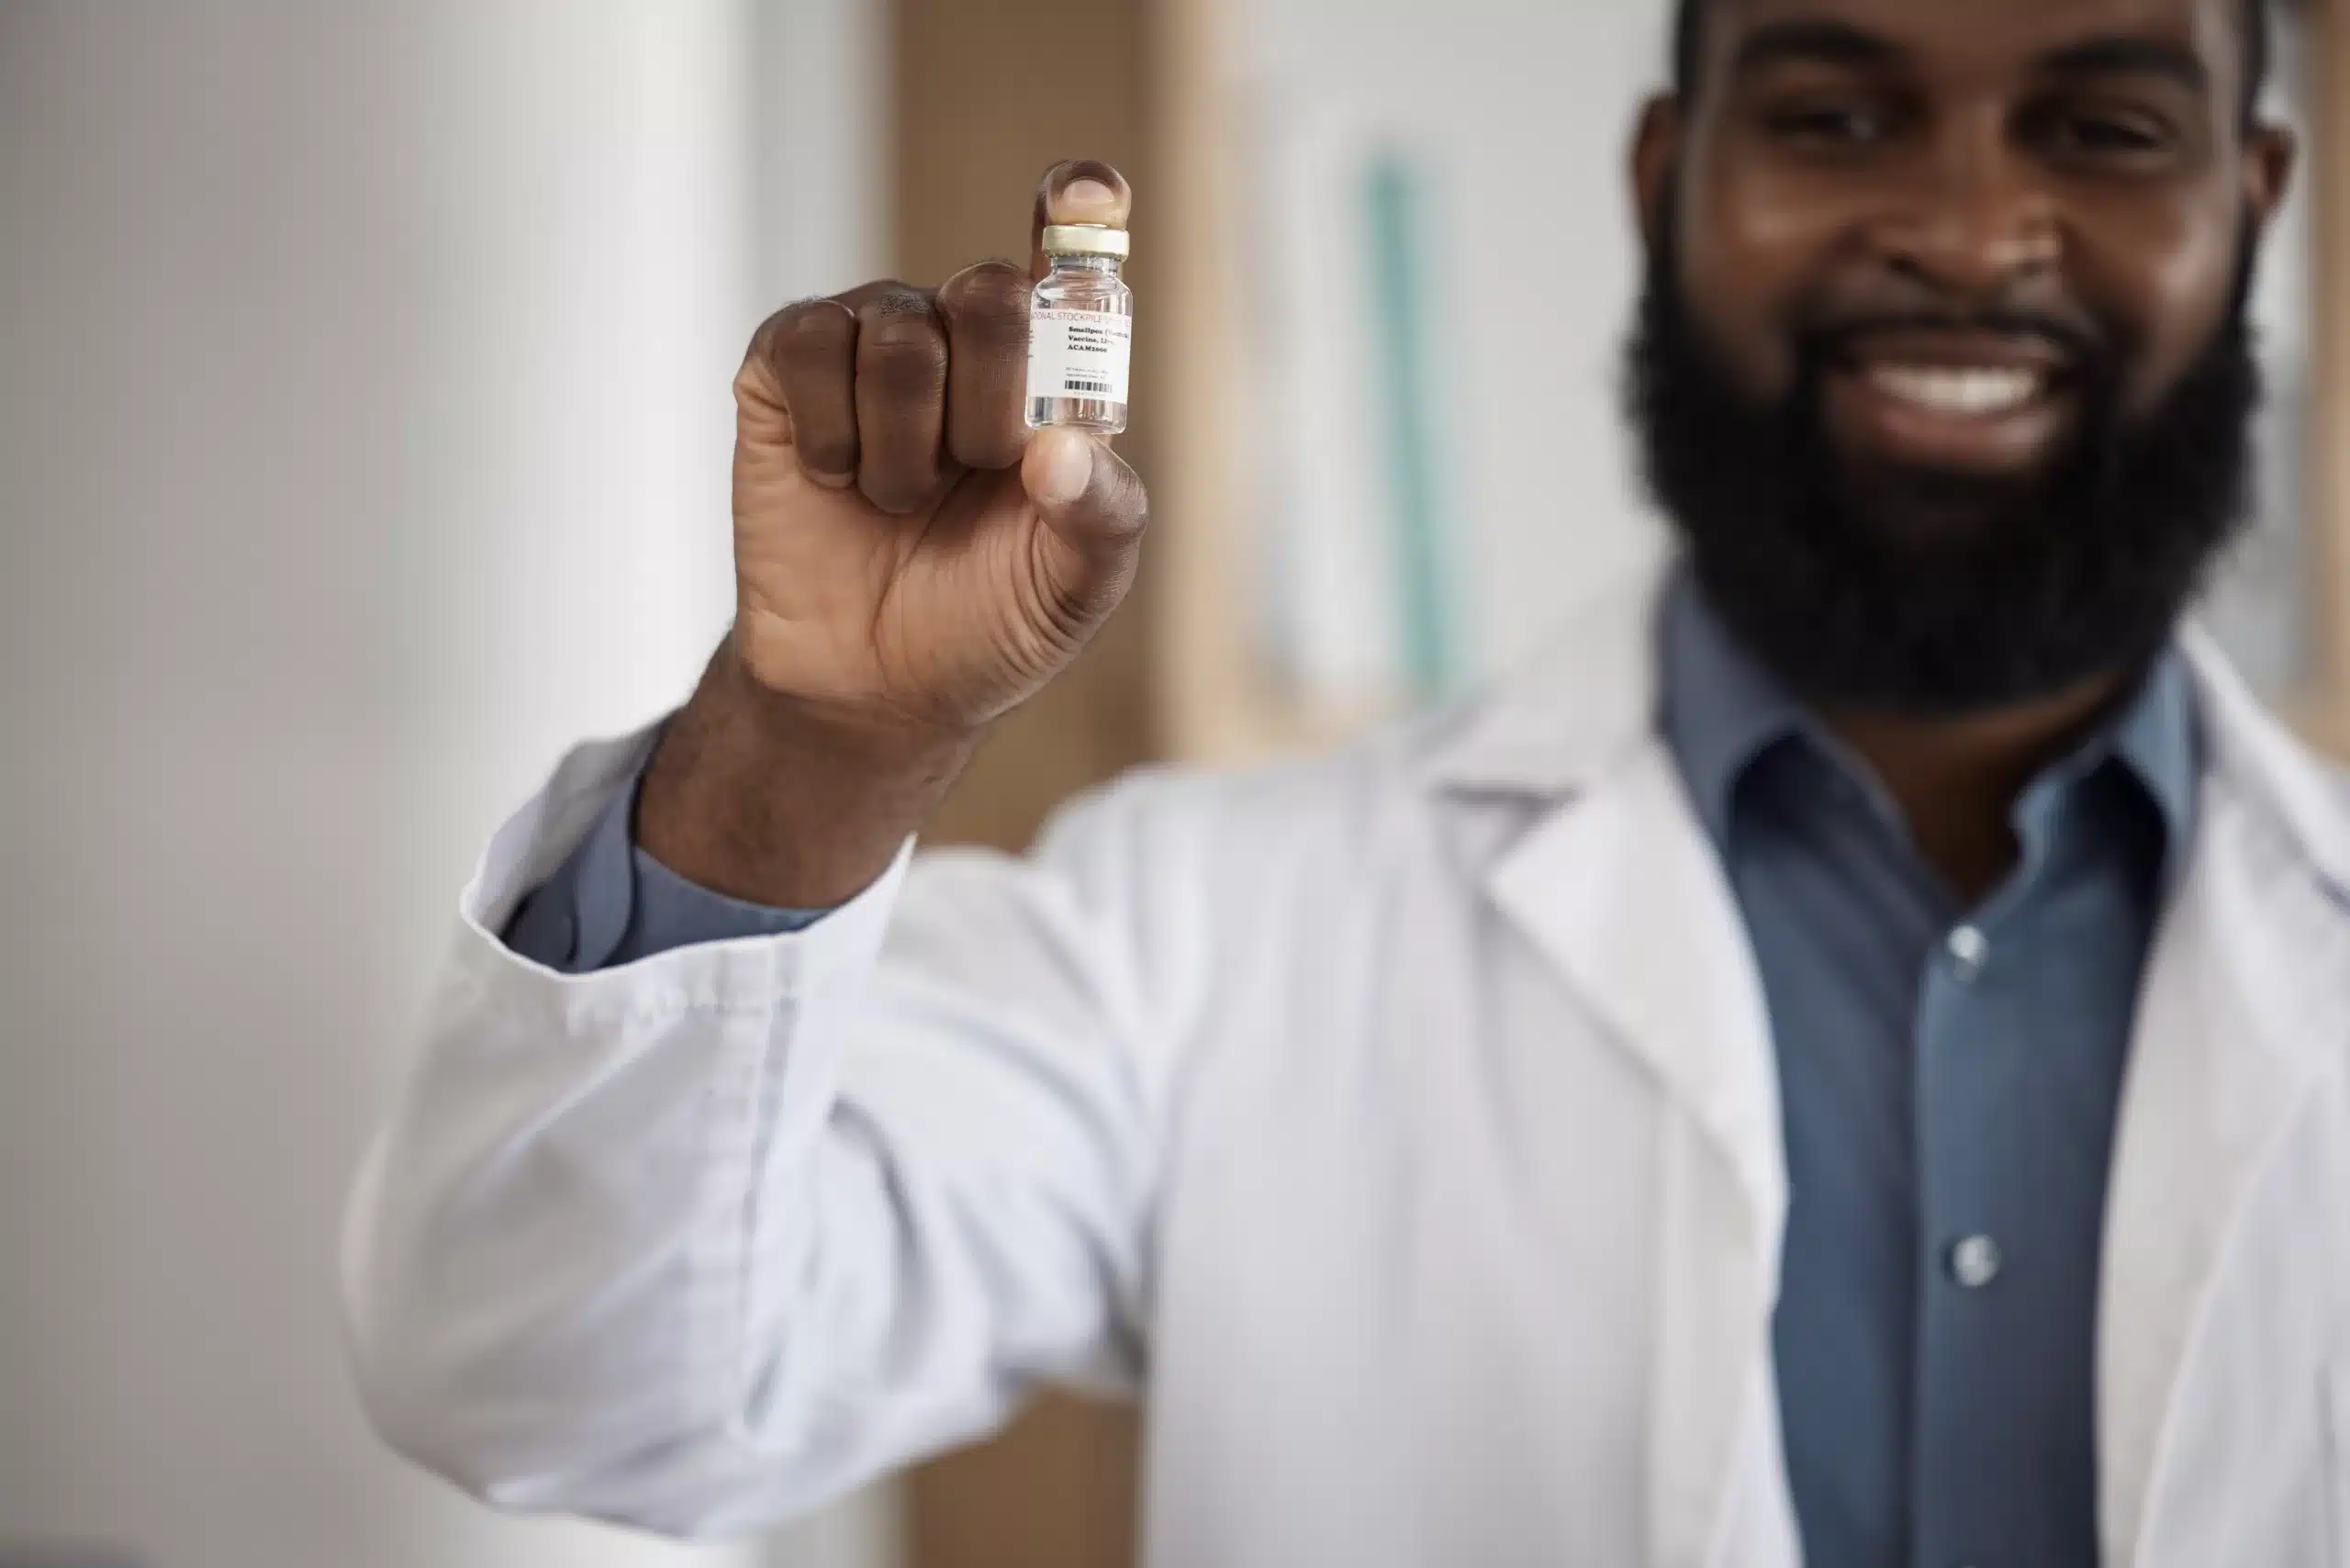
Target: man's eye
point(2108, 135)
point(1829, 125)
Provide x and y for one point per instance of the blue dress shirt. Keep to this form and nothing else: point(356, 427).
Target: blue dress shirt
point(1948, 1080)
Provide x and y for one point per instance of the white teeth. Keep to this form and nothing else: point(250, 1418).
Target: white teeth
point(1955, 390)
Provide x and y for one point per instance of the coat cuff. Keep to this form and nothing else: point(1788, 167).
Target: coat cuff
point(561, 889)
point(611, 902)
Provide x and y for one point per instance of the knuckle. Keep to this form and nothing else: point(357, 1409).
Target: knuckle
point(811, 329)
point(879, 290)
point(770, 332)
point(901, 336)
point(890, 301)
point(904, 358)
point(990, 299)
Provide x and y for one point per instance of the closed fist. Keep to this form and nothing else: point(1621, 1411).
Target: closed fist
point(906, 550)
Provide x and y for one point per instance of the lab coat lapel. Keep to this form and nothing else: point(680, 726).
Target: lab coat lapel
point(1621, 891)
point(1618, 888)
point(2243, 1003)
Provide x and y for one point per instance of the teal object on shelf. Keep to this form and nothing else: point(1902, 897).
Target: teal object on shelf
point(1396, 224)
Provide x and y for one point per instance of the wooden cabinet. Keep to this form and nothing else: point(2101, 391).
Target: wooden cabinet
point(2328, 169)
point(985, 97)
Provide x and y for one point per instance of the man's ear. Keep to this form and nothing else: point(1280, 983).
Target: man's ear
point(1656, 149)
point(2271, 153)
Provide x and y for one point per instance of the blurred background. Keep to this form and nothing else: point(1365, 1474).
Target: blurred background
point(363, 434)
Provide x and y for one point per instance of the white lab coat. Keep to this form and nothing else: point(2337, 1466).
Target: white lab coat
point(1404, 1121)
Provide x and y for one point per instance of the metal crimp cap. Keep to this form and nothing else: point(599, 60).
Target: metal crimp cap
point(1085, 239)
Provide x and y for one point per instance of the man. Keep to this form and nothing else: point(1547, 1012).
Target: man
point(1840, 1063)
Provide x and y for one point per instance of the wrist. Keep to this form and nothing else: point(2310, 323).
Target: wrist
point(775, 801)
point(763, 714)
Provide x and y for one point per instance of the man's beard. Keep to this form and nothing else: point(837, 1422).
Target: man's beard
point(1886, 587)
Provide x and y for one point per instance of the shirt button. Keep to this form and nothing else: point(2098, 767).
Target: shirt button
point(1974, 1262)
point(1970, 950)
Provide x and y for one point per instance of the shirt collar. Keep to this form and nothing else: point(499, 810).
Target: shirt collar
point(1723, 710)
point(2155, 738)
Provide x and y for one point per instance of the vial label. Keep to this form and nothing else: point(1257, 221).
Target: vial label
point(1080, 353)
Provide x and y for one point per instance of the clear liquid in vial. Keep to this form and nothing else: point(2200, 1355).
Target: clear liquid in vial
point(1082, 318)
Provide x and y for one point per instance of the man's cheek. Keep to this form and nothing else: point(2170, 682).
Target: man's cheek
point(1756, 353)
point(2165, 306)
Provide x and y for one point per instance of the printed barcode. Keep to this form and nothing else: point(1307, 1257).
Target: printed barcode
point(1075, 384)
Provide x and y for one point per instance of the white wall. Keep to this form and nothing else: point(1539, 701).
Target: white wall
point(2260, 607)
point(1518, 119)
point(362, 441)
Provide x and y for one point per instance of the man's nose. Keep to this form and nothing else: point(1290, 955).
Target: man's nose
point(1975, 221)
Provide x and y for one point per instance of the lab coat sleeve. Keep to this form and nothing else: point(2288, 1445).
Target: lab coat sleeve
point(697, 1242)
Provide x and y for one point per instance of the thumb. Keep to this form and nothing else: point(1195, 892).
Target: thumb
point(1085, 492)
point(1094, 509)
point(1077, 190)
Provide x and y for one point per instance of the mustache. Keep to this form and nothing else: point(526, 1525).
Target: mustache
point(2080, 345)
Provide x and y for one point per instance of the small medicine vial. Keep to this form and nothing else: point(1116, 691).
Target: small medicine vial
point(1080, 331)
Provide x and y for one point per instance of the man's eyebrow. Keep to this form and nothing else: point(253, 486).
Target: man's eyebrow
point(1820, 42)
point(2130, 54)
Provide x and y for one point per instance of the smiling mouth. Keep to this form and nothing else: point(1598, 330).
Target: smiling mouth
point(1983, 402)
point(1959, 392)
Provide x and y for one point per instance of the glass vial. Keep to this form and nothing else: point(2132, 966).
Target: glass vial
point(1080, 331)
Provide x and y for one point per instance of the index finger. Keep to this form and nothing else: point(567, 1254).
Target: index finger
point(1077, 190)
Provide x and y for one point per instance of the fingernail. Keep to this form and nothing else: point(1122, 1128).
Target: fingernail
point(1069, 468)
point(1087, 191)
